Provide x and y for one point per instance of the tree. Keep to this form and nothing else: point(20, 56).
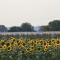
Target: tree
point(3, 28)
point(54, 25)
point(44, 28)
point(15, 29)
point(27, 27)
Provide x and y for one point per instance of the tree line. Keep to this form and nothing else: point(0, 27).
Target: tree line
point(52, 26)
point(27, 27)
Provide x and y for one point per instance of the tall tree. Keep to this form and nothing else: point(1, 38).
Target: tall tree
point(14, 29)
point(3, 28)
point(54, 25)
point(44, 28)
point(27, 27)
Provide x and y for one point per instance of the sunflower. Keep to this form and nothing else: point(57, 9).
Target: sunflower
point(46, 47)
point(44, 43)
point(53, 42)
point(37, 41)
point(7, 44)
point(14, 44)
point(9, 48)
point(41, 42)
point(0, 47)
point(4, 47)
point(2, 42)
point(21, 43)
point(32, 47)
point(28, 50)
point(57, 42)
point(38, 49)
point(31, 43)
point(12, 39)
point(49, 43)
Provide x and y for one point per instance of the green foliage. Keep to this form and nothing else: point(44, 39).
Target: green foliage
point(15, 29)
point(52, 54)
point(44, 28)
point(3, 28)
point(27, 27)
point(54, 25)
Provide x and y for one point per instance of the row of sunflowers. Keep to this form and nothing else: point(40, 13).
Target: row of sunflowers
point(24, 48)
point(29, 45)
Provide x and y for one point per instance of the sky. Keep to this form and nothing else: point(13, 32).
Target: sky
point(36, 12)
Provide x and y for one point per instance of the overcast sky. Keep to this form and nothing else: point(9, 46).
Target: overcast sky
point(36, 12)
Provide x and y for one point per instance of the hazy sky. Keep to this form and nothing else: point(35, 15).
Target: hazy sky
point(36, 12)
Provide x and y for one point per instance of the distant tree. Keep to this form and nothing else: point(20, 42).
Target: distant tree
point(54, 25)
point(3, 28)
point(44, 28)
point(15, 29)
point(27, 27)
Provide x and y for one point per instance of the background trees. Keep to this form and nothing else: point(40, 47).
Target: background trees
point(3, 28)
point(44, 28)
point(52, 26)
point(15, 29)
point(27, 27)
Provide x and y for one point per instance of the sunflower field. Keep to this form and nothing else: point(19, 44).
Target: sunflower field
point(23, 48)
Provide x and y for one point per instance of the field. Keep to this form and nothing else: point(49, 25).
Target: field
point(30, 47)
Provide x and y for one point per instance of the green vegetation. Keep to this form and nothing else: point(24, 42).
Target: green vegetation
point(29, 47)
